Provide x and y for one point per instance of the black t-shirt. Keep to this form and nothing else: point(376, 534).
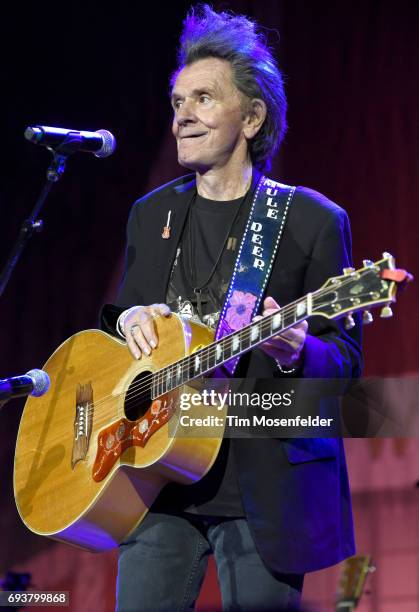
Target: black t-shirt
point(197, 264)
point(205, 235)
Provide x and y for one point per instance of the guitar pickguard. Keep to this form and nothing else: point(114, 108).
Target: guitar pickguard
point(115, 439)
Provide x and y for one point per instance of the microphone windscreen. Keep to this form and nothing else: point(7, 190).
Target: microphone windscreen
point(109, 144)
point(40, 381)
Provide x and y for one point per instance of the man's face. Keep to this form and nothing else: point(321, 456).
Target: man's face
point(208, 117)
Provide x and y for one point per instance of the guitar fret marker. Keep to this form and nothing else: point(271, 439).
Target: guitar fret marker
point(309, 303)
point(235, 345)
point(218, 352)
point(197, 363)
point(254, 334)
point(276, 321)
point(301, 309)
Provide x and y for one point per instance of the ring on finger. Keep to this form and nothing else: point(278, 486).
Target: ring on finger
point(133, 329)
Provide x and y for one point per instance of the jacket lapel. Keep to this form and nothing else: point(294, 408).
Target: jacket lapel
point(178, 201)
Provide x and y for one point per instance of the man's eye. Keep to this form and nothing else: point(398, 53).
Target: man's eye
point(204, 99)
point(177, 104)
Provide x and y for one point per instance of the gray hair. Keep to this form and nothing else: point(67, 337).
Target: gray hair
point(236, 38)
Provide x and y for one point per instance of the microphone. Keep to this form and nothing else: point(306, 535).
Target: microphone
point(35, 382)
point(102, 143)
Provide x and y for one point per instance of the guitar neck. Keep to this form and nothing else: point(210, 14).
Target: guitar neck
point(210, 357)
point(355, 290)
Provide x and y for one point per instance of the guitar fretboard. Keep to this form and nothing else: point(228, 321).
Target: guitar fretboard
point(208, 358)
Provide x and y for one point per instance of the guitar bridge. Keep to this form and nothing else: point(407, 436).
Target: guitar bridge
point(82, 423)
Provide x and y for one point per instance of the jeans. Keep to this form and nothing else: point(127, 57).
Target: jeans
point(162, 566)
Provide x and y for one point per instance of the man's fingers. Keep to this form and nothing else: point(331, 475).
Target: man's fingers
point(294, 333)
point(291, 334)
point(270, 303)
point(139, 329)
point(137, 332)
point(164, 309)
point(281, 344)
point(148, 329)
point(285, 358)
point(148, 332)
point(269, 311)
point(131, 342)
point(303, 326)
point(286, 346)
point(270, 306)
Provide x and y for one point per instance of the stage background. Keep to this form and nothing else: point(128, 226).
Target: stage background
point(352, 82)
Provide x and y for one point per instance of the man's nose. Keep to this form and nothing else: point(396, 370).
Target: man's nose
point(185, 113)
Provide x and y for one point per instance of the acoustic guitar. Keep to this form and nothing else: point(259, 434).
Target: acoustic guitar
point(95, 451)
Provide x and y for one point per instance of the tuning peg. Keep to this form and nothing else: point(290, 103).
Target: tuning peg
point(348, 271)
point(386, 312)
point(367, 317)
point(349, 321)
point(368, 263)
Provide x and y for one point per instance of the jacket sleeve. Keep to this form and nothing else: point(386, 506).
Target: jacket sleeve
point(331, 351)
point(128, 293)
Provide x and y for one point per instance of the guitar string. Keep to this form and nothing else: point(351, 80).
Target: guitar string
point(161, 378)
point(143, 386)
point(185, 366)
point(171, 369)
point(143, 394)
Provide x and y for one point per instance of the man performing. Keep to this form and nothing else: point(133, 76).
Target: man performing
point(269, 509)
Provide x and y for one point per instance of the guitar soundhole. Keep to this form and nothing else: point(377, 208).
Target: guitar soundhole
point(138, 396)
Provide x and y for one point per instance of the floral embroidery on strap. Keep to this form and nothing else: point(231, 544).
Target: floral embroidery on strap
point(239, 313)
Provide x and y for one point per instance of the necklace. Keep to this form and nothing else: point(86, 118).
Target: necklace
point(191, 235)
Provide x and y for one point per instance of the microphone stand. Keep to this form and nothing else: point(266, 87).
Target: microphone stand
point(32, 224)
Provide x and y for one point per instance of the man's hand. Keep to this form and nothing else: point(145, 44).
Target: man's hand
point(287, 347)
point(139, 328)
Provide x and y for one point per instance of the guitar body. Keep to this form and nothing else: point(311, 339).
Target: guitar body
point(86, 468)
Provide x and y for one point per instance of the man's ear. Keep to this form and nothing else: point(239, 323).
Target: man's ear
point(255, 116)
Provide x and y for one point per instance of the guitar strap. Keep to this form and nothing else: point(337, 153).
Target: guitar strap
point(255, 257)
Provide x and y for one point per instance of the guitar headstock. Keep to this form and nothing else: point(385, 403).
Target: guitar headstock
point(354, 574)
point(375, 284)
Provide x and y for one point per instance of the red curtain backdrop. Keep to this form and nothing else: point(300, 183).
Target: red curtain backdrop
point(352, 82)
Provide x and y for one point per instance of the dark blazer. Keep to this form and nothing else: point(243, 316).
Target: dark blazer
point(295, 491)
